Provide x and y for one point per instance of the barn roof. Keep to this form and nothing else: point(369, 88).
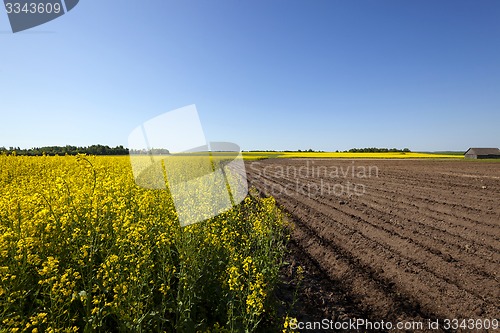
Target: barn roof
point(483, 151)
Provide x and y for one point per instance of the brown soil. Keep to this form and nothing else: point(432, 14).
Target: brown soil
point(412, 240)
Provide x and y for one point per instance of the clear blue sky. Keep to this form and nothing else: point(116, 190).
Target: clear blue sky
point(265, 74)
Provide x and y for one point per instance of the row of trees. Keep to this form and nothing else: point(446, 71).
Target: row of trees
point(353, 150)
point(120, 150)
point(379, 150)
point(152, 151)
point(69, 150)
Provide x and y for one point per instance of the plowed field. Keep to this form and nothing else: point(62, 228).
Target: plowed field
point(404, 240)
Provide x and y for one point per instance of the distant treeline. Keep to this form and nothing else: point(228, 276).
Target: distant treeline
point(152, 151)
point(378, 150)
point(69, 150)
point(120, 150)
point(353, 150)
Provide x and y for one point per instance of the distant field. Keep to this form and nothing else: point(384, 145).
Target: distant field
point(393, 155)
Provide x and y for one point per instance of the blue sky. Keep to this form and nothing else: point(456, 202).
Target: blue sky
point(265, 74)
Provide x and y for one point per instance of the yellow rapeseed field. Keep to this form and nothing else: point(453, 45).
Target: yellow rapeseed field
point(84, 249)
point(388, 155)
